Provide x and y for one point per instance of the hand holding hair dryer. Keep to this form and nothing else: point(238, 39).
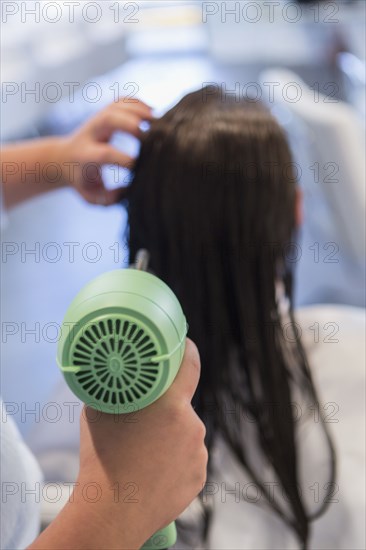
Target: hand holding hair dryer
point(122, 346)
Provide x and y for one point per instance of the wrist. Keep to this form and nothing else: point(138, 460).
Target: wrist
point(86, 525)
point(112, 522)
point(32, 168)
point(57, 153)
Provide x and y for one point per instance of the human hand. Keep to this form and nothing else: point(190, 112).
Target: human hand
point(82, 154)
point(158, 452)
point(155, 458)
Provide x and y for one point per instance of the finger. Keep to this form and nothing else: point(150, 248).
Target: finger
point(102, 196)
point(116, 120)
point(93, 191)
point(135, 106)
point(114, 196)
point(106, 154)
point(97, 197)
point(186, 381)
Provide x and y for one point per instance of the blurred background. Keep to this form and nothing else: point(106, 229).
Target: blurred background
point(64, 61)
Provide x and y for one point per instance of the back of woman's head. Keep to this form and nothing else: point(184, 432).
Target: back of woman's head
point(213, 199)
point(213, 173)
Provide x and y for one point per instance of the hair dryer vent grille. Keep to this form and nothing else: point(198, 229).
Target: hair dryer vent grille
point(115, 359)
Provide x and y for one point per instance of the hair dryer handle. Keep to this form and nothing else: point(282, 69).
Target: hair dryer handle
point(163, 539)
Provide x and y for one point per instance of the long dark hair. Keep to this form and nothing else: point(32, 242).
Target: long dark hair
point(213, 199)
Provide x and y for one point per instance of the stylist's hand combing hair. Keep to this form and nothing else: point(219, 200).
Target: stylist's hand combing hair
point(35, 167)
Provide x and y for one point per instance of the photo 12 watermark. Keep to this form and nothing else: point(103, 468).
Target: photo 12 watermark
point(70, 11)
point(52, 492)
point(272, 491)
point(53, 412)
point(90, 92)
point(70, 252)
point(272, 11)
point(270, 91)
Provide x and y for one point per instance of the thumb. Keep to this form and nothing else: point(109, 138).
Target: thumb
point(107, 154)
point(114, 196)
point(186, 381)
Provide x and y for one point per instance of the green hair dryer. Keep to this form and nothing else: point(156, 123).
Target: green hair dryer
point(123, 347)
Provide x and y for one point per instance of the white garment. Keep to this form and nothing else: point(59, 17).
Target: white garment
point(20, 488)
point(338, 369)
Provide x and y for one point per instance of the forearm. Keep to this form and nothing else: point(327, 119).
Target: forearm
point(85, 525)
point(31, 168)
